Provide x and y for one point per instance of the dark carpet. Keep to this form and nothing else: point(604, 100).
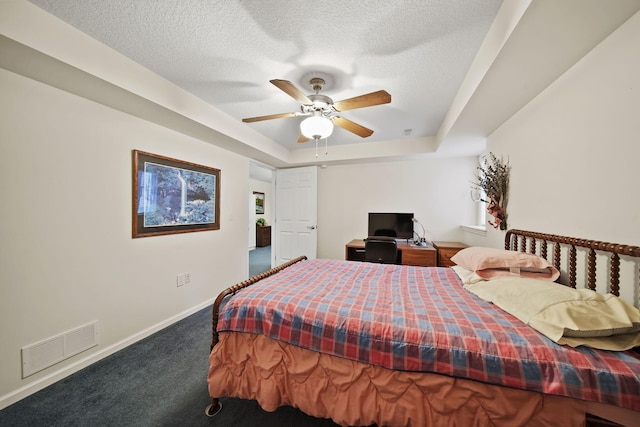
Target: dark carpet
point(158, 381)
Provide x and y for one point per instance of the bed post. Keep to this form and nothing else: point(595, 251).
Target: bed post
point(216, 406)
point(215, 315)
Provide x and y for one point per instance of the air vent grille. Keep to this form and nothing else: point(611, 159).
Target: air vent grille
point(46, 353)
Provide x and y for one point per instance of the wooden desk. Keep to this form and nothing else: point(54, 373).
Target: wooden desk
point(408, 254)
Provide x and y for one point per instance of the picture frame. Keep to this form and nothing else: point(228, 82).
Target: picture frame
point(172, 196)
point(259, 202)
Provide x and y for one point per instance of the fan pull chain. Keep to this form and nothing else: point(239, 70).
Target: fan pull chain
point(326, 146)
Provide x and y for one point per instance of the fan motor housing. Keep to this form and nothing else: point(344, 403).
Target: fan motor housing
point(319, 103)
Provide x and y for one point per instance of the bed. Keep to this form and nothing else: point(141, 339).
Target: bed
point(367, 344)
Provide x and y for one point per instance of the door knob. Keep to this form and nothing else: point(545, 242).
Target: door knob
point(311, 227)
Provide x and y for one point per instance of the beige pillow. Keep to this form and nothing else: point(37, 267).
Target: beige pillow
point(490, 263)
point(567, 316)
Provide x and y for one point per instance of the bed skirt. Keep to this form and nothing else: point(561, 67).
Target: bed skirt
point(352, 393)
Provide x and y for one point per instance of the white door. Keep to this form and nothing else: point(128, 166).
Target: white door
point(296, 213)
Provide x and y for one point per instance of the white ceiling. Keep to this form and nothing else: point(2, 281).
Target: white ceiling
point(225, 52)
point(425, 53)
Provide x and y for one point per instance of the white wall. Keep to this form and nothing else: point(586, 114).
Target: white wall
point(66, 254)
point(575, 150)
point(435, 190)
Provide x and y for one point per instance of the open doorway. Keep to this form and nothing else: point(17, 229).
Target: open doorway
point(261, 217)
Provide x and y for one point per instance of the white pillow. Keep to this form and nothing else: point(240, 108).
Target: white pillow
point(467, 277)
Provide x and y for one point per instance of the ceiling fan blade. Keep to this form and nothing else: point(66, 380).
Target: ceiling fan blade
point(290, 89)
point(302, 138)
point(368, 100)
point(271, 116)
point(352, 127)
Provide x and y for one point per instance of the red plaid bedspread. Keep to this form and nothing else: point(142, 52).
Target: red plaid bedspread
point(422, 319)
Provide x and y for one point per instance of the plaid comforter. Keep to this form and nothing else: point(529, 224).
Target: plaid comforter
point(422, 319)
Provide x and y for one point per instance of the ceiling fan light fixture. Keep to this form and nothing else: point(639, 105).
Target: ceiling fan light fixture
point(316, 127)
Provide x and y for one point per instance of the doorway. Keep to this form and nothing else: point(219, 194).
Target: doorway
point(261, 207)
point(259, 260)
point(297, 213)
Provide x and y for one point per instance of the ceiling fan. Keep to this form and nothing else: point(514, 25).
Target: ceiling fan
point(322, 111)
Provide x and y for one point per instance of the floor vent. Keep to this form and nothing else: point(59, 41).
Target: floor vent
point(41, 355)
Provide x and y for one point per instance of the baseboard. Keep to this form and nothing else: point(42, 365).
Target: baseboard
point(41, 383)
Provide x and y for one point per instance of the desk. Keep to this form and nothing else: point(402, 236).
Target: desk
point(408, 254)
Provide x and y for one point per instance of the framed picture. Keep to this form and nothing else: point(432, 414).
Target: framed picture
point(171, 196)
point(259, 202)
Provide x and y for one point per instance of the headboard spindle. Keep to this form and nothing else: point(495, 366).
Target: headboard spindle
point(591, 270)
point(615, 274)
point(572, 266)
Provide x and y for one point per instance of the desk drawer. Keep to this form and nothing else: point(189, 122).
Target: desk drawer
point(420, 258)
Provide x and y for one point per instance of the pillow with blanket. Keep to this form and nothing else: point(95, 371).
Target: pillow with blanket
point(565, 315)
point(490, 263)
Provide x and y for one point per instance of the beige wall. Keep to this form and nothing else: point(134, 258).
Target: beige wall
point(67, 256)
point(574, 151)
point(574, 154)
point(435, 190)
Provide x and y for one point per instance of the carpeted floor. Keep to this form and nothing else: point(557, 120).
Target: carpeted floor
point(259, 260)
point(159, 381)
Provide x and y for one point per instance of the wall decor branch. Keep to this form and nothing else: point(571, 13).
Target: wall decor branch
point(492, 178)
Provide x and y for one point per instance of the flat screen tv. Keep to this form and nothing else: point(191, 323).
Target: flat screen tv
point(398, 225)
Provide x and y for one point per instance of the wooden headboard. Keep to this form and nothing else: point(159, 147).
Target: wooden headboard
point(529, 241)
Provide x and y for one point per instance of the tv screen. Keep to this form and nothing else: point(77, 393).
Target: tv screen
point(398, 225)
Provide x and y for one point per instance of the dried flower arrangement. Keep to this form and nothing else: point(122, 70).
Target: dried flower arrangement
point(492, 178)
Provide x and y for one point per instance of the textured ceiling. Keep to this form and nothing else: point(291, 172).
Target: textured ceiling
point(225, 52)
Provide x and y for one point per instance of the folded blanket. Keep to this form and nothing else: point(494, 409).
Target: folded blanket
point(565, 315)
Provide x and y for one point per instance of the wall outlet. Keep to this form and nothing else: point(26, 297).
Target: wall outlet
point(187, 278)
point(180, 279)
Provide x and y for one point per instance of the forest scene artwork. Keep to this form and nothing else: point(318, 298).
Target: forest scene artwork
point(259, 202)
point(172, 196)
